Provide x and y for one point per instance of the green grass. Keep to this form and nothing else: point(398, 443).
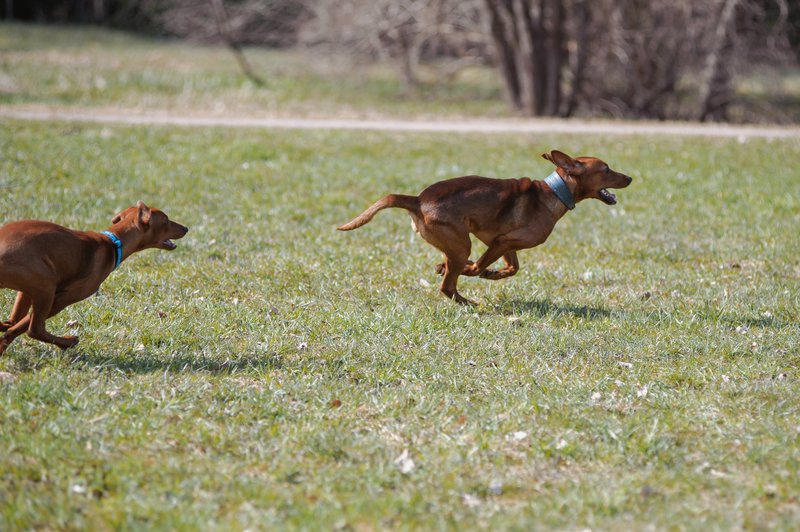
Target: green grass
point(90, 67)
point(640, 370)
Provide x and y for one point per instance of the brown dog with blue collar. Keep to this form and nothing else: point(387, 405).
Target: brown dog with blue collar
point(52, 267)
point(505, 214)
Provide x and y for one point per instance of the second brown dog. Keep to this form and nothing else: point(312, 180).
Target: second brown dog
point(505, 214)
point(52, 267)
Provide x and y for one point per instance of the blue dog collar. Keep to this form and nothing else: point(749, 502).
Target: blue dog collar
point(117, 245)
point(556, 182)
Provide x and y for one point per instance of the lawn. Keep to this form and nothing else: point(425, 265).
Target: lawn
point(272, 372)
point(98, 68)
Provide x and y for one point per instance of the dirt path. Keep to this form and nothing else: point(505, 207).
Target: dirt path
point(447, 125)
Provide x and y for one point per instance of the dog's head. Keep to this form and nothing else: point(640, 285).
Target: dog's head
point(155, 227)
point(592, 176)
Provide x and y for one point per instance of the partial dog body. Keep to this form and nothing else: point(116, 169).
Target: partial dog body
point(52, 267)
point(507, 215)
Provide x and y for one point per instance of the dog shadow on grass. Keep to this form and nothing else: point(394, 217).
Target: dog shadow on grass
point(143, 362)
point(542, 308)
point(190, 362)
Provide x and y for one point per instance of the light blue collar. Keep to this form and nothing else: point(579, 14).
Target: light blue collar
point(117, 246)
point(556, 182)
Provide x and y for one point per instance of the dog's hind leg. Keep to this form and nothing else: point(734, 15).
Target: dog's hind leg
point(21, 306)
point(456, 245)
point(18, 328)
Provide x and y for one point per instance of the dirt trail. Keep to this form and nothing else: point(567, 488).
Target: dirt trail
point(447, 125)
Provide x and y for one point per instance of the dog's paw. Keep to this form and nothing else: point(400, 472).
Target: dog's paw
point(440, 268)
point(67, 341)
point(5, 325)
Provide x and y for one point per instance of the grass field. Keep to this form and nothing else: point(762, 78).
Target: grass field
point(90, 67)
point(272, 372)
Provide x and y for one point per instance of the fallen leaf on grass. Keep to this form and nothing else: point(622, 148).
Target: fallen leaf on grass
point(516, 436)
point(404, 463)
point(471, 500)
point(335, 403)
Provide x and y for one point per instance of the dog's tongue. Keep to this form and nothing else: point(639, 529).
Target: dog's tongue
point(169, 244)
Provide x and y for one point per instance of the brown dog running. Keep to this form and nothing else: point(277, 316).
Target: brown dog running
point(52, 267)
point(505, 214)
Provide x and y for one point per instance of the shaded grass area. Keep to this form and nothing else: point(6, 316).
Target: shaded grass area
point(84, 66)
point(640, 370)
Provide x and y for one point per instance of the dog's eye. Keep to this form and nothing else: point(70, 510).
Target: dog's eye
point(607, 170)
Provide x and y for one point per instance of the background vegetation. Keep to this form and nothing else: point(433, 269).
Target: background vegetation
point(659, 59)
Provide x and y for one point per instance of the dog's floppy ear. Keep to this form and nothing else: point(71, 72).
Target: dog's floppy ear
point(565, 162)
point(143, 216)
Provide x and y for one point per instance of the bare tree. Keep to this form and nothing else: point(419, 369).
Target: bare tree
point(398, 32)
point(529, 43)
point(226, 34)
point(714, 92)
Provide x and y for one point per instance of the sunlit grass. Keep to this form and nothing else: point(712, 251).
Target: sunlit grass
point(640, 370)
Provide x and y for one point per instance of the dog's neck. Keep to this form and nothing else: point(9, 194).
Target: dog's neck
point(558, 203)
point(117, 243)
point(130, 241)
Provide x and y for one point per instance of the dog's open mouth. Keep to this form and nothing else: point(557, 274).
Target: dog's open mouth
point(607, 197)
point(169, 244)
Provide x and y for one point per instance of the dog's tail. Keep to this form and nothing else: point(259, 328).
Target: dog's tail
point(409, 203)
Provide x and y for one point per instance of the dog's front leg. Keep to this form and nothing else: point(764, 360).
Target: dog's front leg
point(511, 268)
point(45, 305)
point(494, 252)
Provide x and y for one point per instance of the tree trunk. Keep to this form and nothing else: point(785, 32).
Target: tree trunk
point(581, 56)
point(225, 33)
point(99, 11)
point(554, 60)
point(529, 42)
point(715, 91)
point(506, 57)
